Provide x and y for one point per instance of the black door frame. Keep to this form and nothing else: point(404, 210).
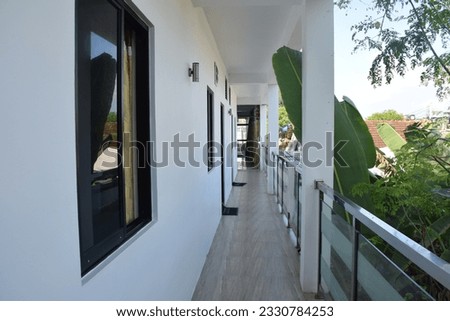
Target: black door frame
point(222, 142)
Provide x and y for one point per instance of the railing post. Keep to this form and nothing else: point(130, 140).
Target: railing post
point(319, 264)
point(355, 242)
point(282, 184)
point(276, 179)
point(299, 184)
point(273, 173)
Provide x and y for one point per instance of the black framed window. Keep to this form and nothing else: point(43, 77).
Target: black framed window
point(113, 126)
point(210, 128)
point(226, 88)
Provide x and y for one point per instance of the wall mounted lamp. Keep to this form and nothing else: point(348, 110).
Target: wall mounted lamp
point(230, 112)
point(194, 72)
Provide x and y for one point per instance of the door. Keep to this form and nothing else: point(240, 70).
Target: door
point(222, 151)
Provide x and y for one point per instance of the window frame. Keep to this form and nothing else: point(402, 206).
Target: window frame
point(210, 127)
point(127, 13)
point(226, 89)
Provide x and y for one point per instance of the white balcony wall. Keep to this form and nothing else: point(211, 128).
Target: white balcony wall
point(40, 256)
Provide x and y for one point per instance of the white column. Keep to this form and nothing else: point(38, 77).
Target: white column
point(263, 133)
point(273, 134)
point(318, 119)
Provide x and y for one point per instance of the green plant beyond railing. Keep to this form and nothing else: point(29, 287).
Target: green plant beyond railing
point(358, 153)
point(352, 268)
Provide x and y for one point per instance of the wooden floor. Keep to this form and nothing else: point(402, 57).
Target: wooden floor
point(252, 257)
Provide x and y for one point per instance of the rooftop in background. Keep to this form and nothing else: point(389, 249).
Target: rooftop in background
point(399, 126)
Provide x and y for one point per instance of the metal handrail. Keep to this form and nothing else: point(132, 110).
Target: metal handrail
point(423, 258)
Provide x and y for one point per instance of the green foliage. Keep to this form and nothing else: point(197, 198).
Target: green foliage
point(357, 154)
point(414, 199)
point(283, 118)
point(427, 27)
point(408, 199)
point(287, 64)
point(112, 117)
point(389, 114)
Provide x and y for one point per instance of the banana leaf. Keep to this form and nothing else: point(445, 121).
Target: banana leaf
point(361, 131)
point(355, 150)
point(358, 154)
point(390, 137)
point(287, 64)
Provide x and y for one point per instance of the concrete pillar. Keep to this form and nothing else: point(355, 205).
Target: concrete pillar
point(318, 119)
point(273, 97)
point(263, 133)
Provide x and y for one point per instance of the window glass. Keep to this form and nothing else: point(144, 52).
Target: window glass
point(113, 126)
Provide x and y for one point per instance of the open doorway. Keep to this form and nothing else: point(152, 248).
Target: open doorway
point(248, 136)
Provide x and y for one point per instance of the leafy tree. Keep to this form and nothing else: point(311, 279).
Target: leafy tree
point(283, 118)
point(389, 114)
point(414, 200)
point(423, 42)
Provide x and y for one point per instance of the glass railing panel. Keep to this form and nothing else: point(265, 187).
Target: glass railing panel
point(289, 193)
point(279, 180)
point(380, 279)
point(336, 254)
point(284, 190)
point(352, 267)
point(294, 202)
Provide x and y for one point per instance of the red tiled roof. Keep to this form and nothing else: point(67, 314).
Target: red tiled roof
point(398, 125)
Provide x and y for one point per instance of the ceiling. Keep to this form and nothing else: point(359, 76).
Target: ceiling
point(248, 33)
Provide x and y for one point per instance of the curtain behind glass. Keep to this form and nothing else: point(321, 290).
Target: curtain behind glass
point(130, 150)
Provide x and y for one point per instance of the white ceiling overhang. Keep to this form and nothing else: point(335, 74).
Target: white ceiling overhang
point(247, 34)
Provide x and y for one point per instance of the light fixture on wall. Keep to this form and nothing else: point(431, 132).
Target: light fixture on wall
point(230, 112)
point(216, 74)
point(194, 72)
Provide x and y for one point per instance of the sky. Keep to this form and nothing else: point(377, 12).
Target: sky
point(405, 95)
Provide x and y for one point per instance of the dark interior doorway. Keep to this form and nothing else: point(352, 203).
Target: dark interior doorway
point(248, 136)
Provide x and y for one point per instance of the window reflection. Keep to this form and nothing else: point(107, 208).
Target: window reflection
point(104, 153)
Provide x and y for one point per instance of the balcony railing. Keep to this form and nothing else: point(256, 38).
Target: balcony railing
point(351, 266)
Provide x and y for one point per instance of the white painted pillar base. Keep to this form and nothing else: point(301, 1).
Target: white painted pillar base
point(263, 133)
point(318, 119)
point(273, 135)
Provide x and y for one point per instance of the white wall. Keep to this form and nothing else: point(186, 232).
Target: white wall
point(40, 256)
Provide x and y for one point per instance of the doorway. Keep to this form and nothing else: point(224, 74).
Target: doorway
point(222, 149)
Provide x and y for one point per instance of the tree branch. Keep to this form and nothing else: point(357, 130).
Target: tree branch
point(442, 25)
point(428, 40)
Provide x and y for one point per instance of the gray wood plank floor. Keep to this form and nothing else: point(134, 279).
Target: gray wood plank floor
point(252, 257)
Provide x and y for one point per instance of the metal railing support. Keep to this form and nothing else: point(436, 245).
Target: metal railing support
point(355, 248)
point(430, 263)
